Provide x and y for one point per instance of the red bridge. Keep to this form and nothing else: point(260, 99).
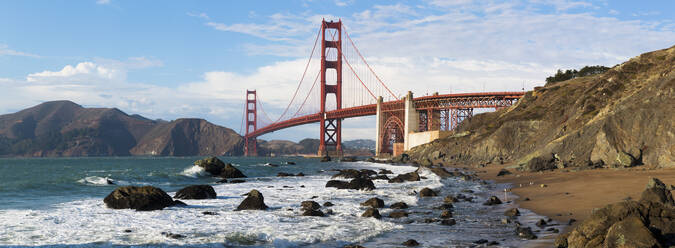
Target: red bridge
point(360, 92)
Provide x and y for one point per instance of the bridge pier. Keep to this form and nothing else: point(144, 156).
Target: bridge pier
point(412, 119)
point(379, 122)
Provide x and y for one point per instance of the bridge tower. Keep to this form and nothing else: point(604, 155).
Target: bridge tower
point(250, 144)
point(331, 129)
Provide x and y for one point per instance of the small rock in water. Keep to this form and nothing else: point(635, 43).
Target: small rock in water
point(373, 202)
point(493, 200)
point(554, 230)
point(445, 206)
point(254, 201)
point(480, 241)
point(512, 212)
point(399, 205)
point(196, 192)
point(446, 214)
point(311, 212)
point(127, 230)
point(209, 213)
point(505, 221)
point(314, 197)
point(410, 243)
point(398, 214)
point(429, 220)
point(310, 205)
point(372, 212)
point(448, 222)
point(237, 181)
point(353, 246)
point(427, 192)
point(525, 232)
point(328, 204)
point(541, 223)
point(173, 235)
point(450, 199)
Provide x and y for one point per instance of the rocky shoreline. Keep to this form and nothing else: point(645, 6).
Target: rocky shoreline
point(441, 204)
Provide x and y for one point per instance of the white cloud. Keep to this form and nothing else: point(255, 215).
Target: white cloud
point(201, 15)
point(4, 50)
point(103, 2)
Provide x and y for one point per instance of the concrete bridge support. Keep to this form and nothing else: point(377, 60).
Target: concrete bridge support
point(412, 119)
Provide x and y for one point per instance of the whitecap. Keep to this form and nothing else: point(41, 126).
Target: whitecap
point(95, 180)
point(194, 171)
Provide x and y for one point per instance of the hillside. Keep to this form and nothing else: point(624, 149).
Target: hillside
point(311, 146)
point(63, 128)
point(620, 118)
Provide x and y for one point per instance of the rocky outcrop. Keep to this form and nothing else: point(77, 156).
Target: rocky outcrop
point(493, 200)
point(356, 183)
point(372, 212)
point(230, 171)
point(407, 177)
point(399, 205)
point(427, 192)
point(310, 205)
point(146, 198)
point(620, 118)
point(253, 201)
point(644, 223)
point(196, 192)
point(212, 165)
point(398, 214)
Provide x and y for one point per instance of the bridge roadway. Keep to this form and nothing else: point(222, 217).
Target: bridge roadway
point(434, 102)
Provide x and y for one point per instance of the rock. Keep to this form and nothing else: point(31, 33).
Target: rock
point(233, 181)
point(271, 165)
point(373, 202)
point(385, 171)
point(571, 221)
point(525, 232)
point(372, 212)
point(290, 163)
point(173, 235)
point(481, 241)
point(657, 191)
point(410, 177)
point(179, 203)
point(253, 201)
point(561, 241)
point(540, 163)
point(541, 223)
point(337, 184)
point(410, 243)
point(361, 184)
point(448, 222)
point(399, 205)
point(445, 206)
point(503, 172)
point(426, 163)
point(493, 200)
point(313, 212)
point(310, 205)
point(222, 181)
point(398, 214)
point(146, 198)
point(630, 232)
point(441, 172)
point(350, 173)
point(300, 175)
point(212, 165)
point(450, 199)
point(230, 171)
point(447, 214)
point(353, 246)
point(512, 212)
point(427, 192)
point(196, 192)
point(325, 159)
point(328, 204)
point(209, 213)
point(284, 174)
point(348, 159)
point(624, 160)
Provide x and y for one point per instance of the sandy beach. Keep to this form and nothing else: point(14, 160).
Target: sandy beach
point(574, 194)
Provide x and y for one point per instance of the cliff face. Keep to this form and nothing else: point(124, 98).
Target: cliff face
point(623, 117)
point(63, 128)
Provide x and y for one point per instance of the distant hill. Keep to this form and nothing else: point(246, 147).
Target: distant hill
point(63, 128)
point(311, 146)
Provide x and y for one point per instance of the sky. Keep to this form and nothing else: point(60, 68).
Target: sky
point(196, 59)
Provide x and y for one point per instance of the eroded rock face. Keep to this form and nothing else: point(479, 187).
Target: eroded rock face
point(253, 201)
point(212, 165)
point(373, 202)
point(196, 192)
point(230, 171)
point(146, 198)
point(644, 223)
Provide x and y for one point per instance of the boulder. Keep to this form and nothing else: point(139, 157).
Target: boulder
point(337, 184)
point(512, 212)
point(380, 177)
point(313, 212)
point(399, 205)
point(284, 174)
point(373, 202)
point(657, 191)
point(146, 198)
point(385, 171)
point(493, 200)
point(503, 172)
point(352, 173)
point(630, 232)
point(325, 159)
point(372, 212)
point(427, 192)
point(348, 159)
point(310, 205)
point(541, 223)
point(398, 214)
point(441, 172)
point(540, 163)
point(212, 165)
point(410, 243)
point(230, 171)
point(196, 192)
point(411, 176)
point(328, 204)
point(361, 184)
point(253, 201)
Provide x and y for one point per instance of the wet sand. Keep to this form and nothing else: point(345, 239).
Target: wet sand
point(574, 194)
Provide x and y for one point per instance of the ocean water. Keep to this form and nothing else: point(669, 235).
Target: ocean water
point(59, 202)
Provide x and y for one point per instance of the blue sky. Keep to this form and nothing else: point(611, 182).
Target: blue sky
point(177, 59)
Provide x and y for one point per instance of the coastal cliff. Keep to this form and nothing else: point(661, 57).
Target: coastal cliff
point(621, 118)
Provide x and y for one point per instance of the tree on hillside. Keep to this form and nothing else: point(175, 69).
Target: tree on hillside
point(570, 74)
